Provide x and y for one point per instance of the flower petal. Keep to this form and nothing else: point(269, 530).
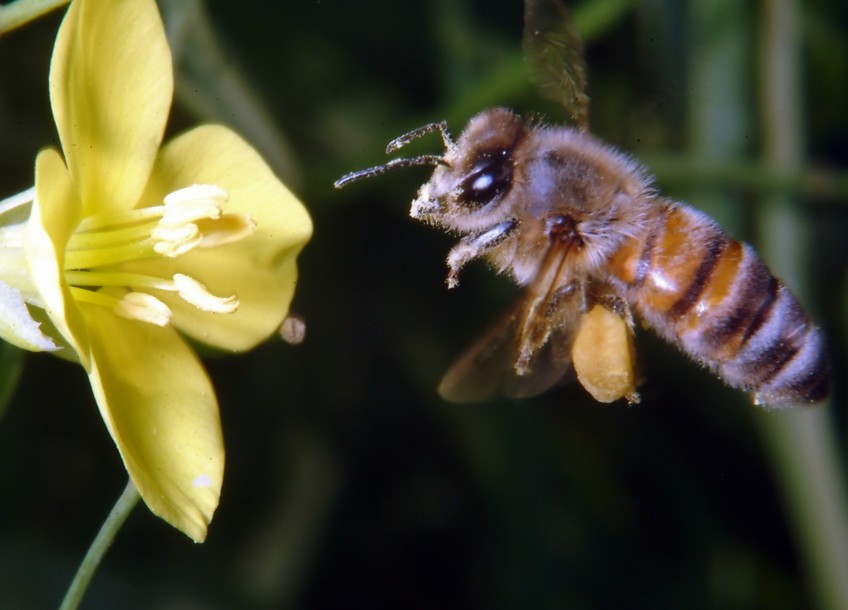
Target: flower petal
point(260, 270)
point(17, 326)
point(54, 216)
point(161, 411)
point(111, 85)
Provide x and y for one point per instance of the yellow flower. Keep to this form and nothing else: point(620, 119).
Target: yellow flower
point(127, 242)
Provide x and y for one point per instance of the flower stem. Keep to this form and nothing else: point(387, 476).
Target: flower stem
point(804, 445)
point(23, 11)
point(117, 516)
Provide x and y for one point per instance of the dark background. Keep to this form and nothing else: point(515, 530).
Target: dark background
point(349, 482)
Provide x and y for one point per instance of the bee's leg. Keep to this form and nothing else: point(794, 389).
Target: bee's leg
point(546, 312)
point(614, 303)
point(476, 245)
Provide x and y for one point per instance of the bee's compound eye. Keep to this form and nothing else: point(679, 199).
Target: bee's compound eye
point(483, 182)
point(490, 176)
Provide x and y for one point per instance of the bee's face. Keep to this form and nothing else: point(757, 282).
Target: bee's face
point(472, 187)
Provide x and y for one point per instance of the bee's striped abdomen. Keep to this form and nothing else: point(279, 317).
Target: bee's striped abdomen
point(715, 298)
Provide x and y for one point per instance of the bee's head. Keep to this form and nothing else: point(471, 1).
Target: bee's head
point(471, 177)
point(475, 175)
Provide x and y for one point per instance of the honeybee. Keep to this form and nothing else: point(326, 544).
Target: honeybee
point(582, 227)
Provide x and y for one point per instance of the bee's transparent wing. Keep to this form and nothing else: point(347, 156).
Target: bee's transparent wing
point(528, 350)
point(554, 53)
point(488, 368)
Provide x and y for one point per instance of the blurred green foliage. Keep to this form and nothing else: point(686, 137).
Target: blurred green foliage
point(349, 483)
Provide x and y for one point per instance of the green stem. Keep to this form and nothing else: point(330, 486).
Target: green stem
point(802, 444)
point(11, 359)
point(23, 11)
point(802, 447)
point(117, 516)
point(697, 173)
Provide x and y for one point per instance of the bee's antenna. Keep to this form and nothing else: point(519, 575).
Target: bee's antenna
point(382, 169)
point(406, 138)
point(396, 144)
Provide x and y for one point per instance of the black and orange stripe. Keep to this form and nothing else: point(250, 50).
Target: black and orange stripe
point(716, 299)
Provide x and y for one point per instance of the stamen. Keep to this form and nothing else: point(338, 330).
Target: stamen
point(197, 192)
point(193, 203)
point(178, 230)
point(134, 281)
point(100, 257)
point(93, 297)
point(195, 293)
point(103, 221)
point(190, 217)
point(175, 240)
point(225, 230)
point(84, 240)
point(143, 307)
